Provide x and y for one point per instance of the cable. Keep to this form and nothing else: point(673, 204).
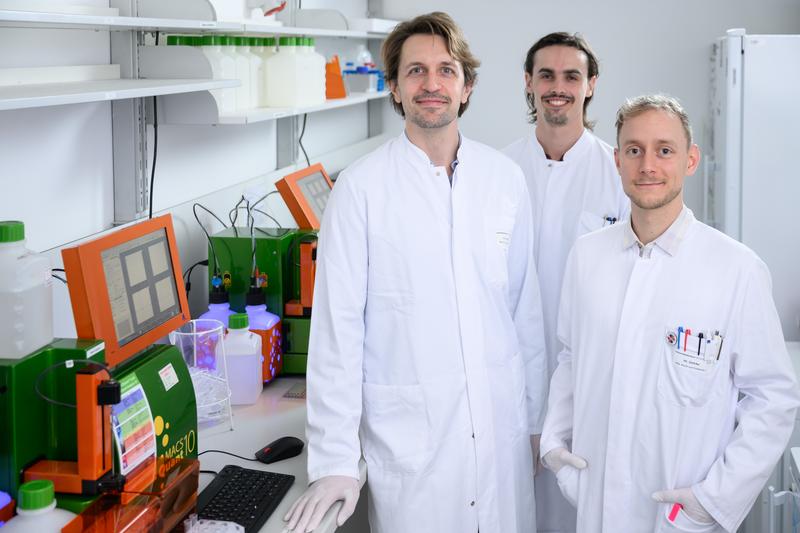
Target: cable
point(208, 472)
point(59, 278)
point(187, 276)
point(68, 363)
point(300, 140)
point(227, 453)
point(58, 270)
point(208, 237)
point(155, 147)
point(269, 217)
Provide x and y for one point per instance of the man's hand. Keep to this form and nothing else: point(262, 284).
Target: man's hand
point(686, 498)
point(537, 463)
point(307, 512)
point(566, 466)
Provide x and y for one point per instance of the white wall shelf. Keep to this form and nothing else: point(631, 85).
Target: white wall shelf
point(31, 19)
point(50, 94)
point(270, 113)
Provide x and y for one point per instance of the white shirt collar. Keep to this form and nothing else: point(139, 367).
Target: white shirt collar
point(669, 241)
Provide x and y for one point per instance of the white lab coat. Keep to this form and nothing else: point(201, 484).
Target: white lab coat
point(645, 423)
point(426, 349)
point(569, 198)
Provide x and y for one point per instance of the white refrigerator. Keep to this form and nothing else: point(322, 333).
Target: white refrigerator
point(753, 190)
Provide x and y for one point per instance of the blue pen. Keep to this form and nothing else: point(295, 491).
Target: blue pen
point(680, 330)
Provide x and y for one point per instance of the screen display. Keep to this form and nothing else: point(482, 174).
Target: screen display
point(316, 190)
point(141, 285)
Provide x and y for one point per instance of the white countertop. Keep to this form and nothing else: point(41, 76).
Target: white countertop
point(257, 425)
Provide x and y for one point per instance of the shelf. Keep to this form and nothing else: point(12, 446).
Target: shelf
point(31, 19)
point(50, 94)
point(271, 113)
point(201, 108)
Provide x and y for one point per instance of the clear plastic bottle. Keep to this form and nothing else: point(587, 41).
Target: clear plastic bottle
point(223, 66)
point(243, 353)
point(36, 510)
point(26, 295)
point(267, 326)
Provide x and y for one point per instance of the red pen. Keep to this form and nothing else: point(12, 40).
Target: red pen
point(673, 514)
point(686, 340)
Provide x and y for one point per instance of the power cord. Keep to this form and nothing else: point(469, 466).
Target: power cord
point(155, 147)
point(208, 237)
point(187, 275)
point(300, 140)
point(228, 453)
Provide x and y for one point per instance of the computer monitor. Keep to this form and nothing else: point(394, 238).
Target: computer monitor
point(306, 194)
point(126, 287)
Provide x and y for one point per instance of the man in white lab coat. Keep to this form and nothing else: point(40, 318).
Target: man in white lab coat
point(426, 350)
point(674, 384)
point(574, 189)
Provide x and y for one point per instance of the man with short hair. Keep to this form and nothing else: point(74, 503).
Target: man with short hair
point(574, 189)
point(674, 385)
point(426, 349)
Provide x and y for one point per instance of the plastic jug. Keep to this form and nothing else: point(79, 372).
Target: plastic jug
point(26, 295)
point(36, 510)
point(219, 308)
point(243, 351)
point(281, 74)
point(267, 326)
point(223, 66)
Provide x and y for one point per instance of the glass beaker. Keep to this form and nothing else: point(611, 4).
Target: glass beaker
point(200, 343)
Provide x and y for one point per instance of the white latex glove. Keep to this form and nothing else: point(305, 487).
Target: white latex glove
point(566, 466)
point(537, 463)
point(307, 512)
point(686, 498)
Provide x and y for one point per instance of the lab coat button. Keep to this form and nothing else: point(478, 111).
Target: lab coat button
point(472, 503)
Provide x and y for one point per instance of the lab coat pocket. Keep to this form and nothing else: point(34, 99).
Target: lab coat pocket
point(497, 240)
point(590, 222)
point(683, 384)
point(683, 522)
point(395, 428)
point(567, 478)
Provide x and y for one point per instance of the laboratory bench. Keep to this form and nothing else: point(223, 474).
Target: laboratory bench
point(255, 426)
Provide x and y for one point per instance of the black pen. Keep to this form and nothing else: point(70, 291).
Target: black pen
point(699, 342)
point(720, 346)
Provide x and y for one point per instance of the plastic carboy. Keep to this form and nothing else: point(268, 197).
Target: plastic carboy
point(267, 326)
point(243, 350)
point(219, 308)
point(36, 510)
point(26, 295)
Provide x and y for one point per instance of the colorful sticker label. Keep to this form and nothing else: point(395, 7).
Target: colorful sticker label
point(132, 425)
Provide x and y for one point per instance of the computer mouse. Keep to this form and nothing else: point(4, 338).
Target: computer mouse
point(280, 449)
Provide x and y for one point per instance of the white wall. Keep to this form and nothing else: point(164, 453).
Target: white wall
point(643, 47)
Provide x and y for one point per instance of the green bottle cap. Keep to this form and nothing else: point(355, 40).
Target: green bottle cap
point(240, 41)
point(310, 41)
point(286, 41)
point(172, 40)
point(12, 231)
point(36, 494)
point(207, 40)
point(238, 321)
point(255, 41)
point(269, 41)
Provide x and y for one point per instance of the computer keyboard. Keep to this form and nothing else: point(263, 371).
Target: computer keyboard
point(242, 495)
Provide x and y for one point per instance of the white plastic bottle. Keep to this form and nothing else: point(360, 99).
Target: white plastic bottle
point(317, 82)
point(243, 353)
point(243, 98)
point(229, 49)
point(36, 510)
point(223, 66)
point(256, 69)
point(267, 52)
point(282, 75)
point(26, 295)
point(257, 72)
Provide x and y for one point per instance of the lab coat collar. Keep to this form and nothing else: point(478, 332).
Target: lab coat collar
point(420, 156)
point(573, 154)
point(669, 241)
